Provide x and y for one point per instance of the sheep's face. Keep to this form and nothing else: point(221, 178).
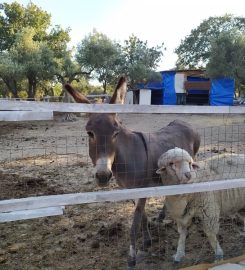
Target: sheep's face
point(176, 167)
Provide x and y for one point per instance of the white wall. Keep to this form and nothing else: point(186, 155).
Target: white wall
point(145, 97)
point(129, 98)
point(179, 83)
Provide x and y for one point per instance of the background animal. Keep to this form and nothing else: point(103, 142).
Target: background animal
point(177, 166)
point(132, 156)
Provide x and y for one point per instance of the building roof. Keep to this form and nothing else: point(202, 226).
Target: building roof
point(188, 72)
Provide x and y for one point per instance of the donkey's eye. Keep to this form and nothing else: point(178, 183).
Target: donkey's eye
point(171, 164)
point(90, 134)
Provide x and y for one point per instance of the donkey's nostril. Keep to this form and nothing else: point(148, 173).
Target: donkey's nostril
point(188, 175)
point(103, 177)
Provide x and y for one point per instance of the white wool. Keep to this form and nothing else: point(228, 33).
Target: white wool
point(208, 206)
point(174, 155)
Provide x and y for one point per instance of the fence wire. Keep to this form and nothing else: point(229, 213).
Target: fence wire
point(96, 236)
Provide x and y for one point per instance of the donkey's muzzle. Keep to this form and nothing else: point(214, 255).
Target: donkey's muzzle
point(103, 177)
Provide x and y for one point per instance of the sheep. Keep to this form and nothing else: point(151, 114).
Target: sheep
point(177, 167)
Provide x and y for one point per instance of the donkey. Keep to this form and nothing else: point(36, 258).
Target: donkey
point(132, 156)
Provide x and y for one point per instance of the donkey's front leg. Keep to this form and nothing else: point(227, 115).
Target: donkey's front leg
point(137, 220)
point(143, 251)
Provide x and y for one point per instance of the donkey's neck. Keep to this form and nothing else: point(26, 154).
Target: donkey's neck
point(131, 163)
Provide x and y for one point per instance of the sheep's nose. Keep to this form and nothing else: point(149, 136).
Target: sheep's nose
point(188, 175)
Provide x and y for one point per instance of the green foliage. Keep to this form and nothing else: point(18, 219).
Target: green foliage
point(57, 40)
point(140, 60)
point(109, 59)
point(57, 89)
point(9, 68)
point(194, 50)
point(34, 56)
point(97, 53)
point(36, 59)
point(30, 47)
point(227, 57)
point(67, 69)
point(14, 17)
point(22, 94)
point(10, 72)
point(86, 88)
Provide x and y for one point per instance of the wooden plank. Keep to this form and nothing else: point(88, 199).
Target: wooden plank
point(114, 108)
point(237, 109)
point(115, 195)
point(98, 95)
point(25, 116)
point(29, 214)
point(206, 266)
point(197, 85)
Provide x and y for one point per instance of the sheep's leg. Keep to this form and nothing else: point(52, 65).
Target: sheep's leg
point(182, 230)
point(242, 233)
point(215, 245)
point(211, 228)
point(162, 214)
point(242, 217)
point(137, 220)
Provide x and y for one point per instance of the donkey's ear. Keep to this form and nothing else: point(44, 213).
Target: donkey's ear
point(120, 91)
point(79, 98)
point(161, 170)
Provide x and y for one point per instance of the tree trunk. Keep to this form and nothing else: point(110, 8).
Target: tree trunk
point(12, 87)
point(32, 87)
point(104, 86)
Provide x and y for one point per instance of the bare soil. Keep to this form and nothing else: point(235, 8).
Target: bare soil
point(51, 157)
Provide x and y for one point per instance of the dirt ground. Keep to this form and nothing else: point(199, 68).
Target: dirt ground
point(51, 157)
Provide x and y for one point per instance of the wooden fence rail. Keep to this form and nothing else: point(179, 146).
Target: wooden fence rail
point(115, 195)
point(33, 207)
point(116, 108)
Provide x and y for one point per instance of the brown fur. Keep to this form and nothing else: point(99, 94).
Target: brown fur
point(120, 92)
point(79, 98)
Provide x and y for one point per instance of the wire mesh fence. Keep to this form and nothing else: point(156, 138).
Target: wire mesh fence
point(97, 236)
point(62, 163)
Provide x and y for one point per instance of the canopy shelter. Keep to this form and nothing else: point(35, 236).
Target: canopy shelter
point(198, 89)
point(184, 87)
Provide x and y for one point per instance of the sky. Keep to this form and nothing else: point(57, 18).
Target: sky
point(156, 21)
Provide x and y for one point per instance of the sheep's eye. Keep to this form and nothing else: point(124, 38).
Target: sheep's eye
point(90, 134)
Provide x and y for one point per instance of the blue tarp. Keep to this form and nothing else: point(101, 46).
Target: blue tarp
point(156, 89)
point(151, 86)
point(222, 92)
point(197, 79)
point(169, 89)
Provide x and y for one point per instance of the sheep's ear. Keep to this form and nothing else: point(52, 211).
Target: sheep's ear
point(195, 166)
point(161, 170)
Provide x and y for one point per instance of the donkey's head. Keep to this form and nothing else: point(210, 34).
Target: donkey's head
point(103, 130)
